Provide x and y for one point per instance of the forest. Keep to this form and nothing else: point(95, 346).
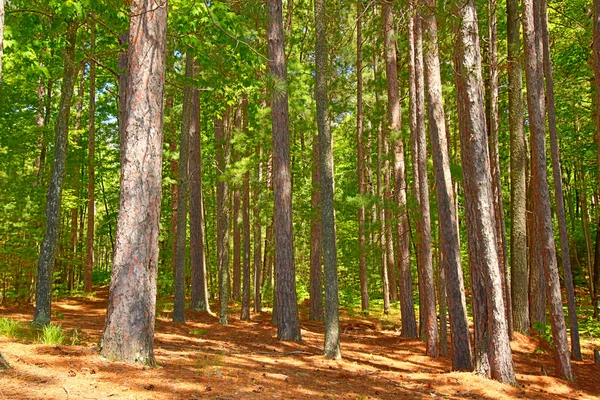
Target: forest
point(299, 199)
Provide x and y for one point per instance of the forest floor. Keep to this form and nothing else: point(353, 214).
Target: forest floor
point(244, 360)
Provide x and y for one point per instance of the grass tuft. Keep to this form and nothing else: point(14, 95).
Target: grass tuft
point(52, 335)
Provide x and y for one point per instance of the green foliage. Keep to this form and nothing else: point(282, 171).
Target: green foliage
point(198, 332)
point(52, 335)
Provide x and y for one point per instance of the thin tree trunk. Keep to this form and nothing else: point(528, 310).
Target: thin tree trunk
point(448, 225)
point(518, 159)
point(2, 3)
point(89, 259)
point(409, 327)
point(330, 264)
point(558, 188)
point(288, 326)
point(493, 142)
point(316, 240)
point(245, 315)
point(596, 49)
point(541, 203)
point(123, 100)
point(360, 117)
point(390, 261)
point(197, 249)
point(258, 236)
point(424, 260)
point(491, 326)
point(222, 156)
point(61, 129)
point(129, 329)
point(183, 184)
point(381, 206)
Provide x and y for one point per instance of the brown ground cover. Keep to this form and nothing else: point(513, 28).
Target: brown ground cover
point(244, 360)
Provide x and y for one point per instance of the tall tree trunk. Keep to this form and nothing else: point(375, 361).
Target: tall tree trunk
point(48, 253)
point(448, 225)
point(390, 261)
point(558, 187)
point(258, 236)
point(237, 243)
point(596, 47)
point(123, 100)
point(539, 182)
point(129, 330)
point(183, 184)
point(245, 315)
point(409, 325)
point(222, 156)
point(332, 320)
point(2, 4)
point(316, 240)
point(424, 259)
point(288, 326)
point(380, 215)
point(89, 251)
point(493, 142)
point(518, 188)
point(492, 328)
point(197, 249)
point(360, 118)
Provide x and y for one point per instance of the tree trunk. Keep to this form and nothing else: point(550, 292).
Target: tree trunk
point(477, 178)
point(316, 241)
point(288, 326)
point(129, 331)
point(407, 313)
point(222, 156)
point(89, 251)
point(2, 3)
point(245, 315)
point(183, 184)
point(380, 215)
point(197, 250)
point(360, 117)
point(518, 159)
point(558, 188)
point(424, 259)
point(596, 48)
point(390, 261)
point(448, 225)
point(493, 141)
point(539, 182)
point(61, 129)
point(258, 237)
point(332, 320)
point(123, 100)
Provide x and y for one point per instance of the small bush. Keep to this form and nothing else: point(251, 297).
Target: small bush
point(52, 335)
point(198, 332)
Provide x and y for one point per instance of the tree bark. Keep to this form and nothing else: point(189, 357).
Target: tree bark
point(222, 156)
point(330, 264)
point(197, 249)
point(491, 327)
point(596, 49)
point(2, 4)
point(61, 129)
point(518, 159)
point(360, 117)
point(558, 187)
point(258, 237)
point(539, 183)
point(183, 185)
point(245, 315)
point(493, 142)
point(424, 260)
point(129, 330)
point(316, 240)
point(89, 251)
point(409, 325)
point(288, 326)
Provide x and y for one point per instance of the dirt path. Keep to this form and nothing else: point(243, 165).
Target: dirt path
point(203, 360)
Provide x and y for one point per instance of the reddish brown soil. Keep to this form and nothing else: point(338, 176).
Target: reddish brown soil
point(244, 360)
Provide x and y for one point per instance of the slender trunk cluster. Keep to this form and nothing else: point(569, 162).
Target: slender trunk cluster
point(544, 234)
